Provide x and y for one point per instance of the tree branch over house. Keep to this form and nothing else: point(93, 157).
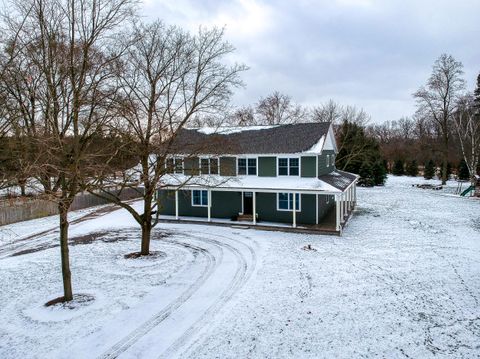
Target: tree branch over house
point(168, 77)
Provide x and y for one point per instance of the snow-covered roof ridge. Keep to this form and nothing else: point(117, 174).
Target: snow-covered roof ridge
point(227, 130)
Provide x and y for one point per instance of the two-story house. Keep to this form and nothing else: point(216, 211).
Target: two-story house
point(266, 175)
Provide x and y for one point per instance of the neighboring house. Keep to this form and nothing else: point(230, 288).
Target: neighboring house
point(266, 175)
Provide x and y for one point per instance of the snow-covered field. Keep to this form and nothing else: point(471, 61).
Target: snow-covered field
point(403, 281)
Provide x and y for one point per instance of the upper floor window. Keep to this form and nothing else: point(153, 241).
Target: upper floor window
point(328, 160)
point(209, 166)
point(285, 202)
point(247, 166)
point(174, 165)
point(288, 166)
point(199, 198)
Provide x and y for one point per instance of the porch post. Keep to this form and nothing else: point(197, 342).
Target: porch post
point(349, 198)
point(294, 224)
point(337, 214)
point(254, 205)
point(316, 208)
point(355, 194)
point(345, 213)
point(176, 204)
point(341, 207)
point(209, 206)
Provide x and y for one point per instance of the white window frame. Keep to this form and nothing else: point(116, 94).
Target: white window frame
point(209, 165)
point(201, 197)
point(288, 158)
point(328, 160)
point(246, 160)
point(299, 209)
point(175, 159)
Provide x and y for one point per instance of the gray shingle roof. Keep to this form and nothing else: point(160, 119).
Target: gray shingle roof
point(339, 179)
point(292, 138)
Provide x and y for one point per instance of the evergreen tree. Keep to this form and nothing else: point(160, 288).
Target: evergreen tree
point(429, 170)
point(462, 171)
point(412, 168)
point(398, 168)
point(476, 94)
point(379, 173)
point(367, 177)
point(358, 153)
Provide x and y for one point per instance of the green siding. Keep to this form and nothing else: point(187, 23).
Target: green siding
point(308, 166)
point(166, 201)
point(323, 206)
point(226, 204)
point(322, 162)
point(267, 166)
point(228, 166)
point(267, 209)
point(191, 166)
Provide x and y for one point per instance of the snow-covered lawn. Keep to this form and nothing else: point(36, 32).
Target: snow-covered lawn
point(402, 281)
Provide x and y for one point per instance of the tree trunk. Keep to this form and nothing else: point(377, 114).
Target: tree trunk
point(67, 277)
point(146, 231)
point(445, 158)
point(146, 224)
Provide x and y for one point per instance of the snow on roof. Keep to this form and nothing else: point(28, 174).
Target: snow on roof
point(249, 183)
point(228, 130)
point(317, 147)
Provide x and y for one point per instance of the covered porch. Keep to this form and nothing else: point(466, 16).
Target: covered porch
point(321, 211)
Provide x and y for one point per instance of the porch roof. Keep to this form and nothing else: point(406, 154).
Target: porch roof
point(255, 183)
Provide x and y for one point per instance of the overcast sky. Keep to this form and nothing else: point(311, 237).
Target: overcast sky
point(368, 53)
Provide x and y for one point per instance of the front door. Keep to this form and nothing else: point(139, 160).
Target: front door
point(247, 202)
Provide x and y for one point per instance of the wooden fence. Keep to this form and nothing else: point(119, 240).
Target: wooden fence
point(20, 209)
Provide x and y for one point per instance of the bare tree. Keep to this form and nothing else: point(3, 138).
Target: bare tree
point(328, 112)
point(278, 108)
point(467, 124)
point(243, 116)
point(69, 43)
point(437, 100)
point(168, 78)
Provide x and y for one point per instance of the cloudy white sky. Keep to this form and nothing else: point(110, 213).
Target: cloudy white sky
point(369, 53)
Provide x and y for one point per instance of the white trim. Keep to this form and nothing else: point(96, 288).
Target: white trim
point(254, 207)
point(176, 204)
point(209, 205)
point(246, 158)
point(209, 158)
point(242, 203)
point(199, 205)
point(299, 209)
point(316, 208)
point(327, 160)
point(294, 209)
point(299, 157)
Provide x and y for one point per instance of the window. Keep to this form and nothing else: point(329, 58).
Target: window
point(174, 165)
point(283, 166)
point(285, 202)
point(200, 198)
point(328, 160)
point(294, 166)
point(209, 166)
point(333, 160)
point(288, 166)
point(252, 166)
point(247, 166)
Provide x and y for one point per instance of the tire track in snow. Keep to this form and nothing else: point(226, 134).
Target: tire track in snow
point(36, 242)
point(242, 275)
point(126, 342)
